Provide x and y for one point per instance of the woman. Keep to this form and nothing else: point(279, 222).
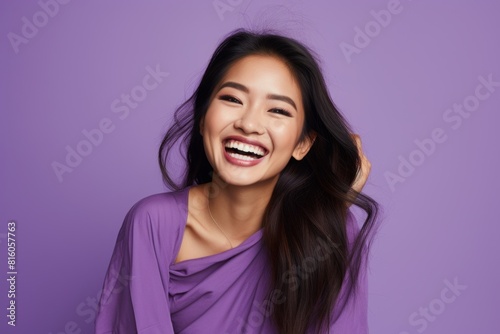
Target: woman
point(258, 236)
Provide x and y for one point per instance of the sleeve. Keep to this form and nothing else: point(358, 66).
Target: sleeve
point(134, 298)
point(354, 317)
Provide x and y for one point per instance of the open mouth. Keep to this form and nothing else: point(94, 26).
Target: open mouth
point(244, 151)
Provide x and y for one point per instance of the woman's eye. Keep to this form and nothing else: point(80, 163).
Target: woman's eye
point(281, 112)
point(229, 98)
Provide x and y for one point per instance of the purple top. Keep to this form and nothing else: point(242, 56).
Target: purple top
point(146, 292)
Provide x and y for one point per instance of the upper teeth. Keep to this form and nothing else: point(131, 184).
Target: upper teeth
point(245, 147)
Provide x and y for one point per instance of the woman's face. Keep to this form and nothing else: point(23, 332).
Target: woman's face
point(254, 121)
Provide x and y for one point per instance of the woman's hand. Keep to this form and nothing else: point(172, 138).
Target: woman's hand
point(364, 171)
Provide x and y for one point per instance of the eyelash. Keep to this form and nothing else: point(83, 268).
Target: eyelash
point(280, 111)
point(229, 98)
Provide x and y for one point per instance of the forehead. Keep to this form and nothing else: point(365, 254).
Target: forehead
point(266, 74)
point(260, 64)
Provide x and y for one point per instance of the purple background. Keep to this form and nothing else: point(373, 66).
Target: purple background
point(439, 224)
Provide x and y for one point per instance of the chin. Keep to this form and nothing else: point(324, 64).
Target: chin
point(246, 180)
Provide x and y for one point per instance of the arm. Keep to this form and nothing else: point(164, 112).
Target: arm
point(133, 298)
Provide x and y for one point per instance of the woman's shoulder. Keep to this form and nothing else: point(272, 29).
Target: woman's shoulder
point(165, 211)
point(162, 203)
point(156, 222)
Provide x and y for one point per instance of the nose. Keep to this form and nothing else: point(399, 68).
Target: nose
point(250, 121)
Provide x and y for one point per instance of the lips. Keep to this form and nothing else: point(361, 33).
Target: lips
point(243, 151)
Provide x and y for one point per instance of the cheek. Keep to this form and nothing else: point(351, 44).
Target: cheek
point(215, 120)
point(209, 125)
point(284, 134)
point(278, 125)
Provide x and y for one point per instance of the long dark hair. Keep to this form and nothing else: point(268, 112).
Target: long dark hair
point(309, 204)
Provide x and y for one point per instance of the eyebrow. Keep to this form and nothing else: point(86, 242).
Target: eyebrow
point(269, 96)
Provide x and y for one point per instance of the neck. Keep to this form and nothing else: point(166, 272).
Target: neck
point(238, 210)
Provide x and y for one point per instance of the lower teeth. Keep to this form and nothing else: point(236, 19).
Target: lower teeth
point(241, 156)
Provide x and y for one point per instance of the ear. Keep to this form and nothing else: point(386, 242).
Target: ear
point(304, 146)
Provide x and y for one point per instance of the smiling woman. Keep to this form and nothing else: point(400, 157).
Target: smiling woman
point(258, 236)
point(249, 112)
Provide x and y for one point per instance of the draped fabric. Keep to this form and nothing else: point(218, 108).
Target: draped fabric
point(145, 292)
